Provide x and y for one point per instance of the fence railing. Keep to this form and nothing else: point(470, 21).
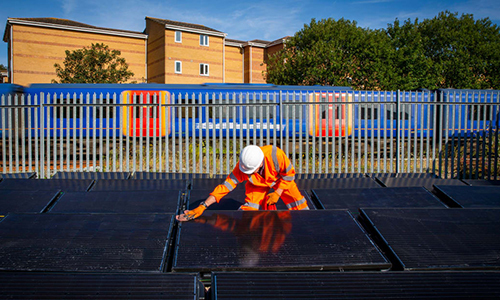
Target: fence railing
point(453, 134)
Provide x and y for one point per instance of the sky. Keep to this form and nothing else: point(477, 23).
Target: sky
point(241, 20)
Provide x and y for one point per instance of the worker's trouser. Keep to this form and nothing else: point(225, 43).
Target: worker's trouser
point(255, 196)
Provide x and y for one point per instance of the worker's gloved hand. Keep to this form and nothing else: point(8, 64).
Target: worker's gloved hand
point(272, 198)
point(192, 214)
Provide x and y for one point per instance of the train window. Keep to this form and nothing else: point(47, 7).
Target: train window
point(69, 110)
point(392, 115)
point(146, 111)
point(332, 108)
point(368, 112)
point(479, 113)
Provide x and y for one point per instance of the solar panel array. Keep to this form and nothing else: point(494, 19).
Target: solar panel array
point(114, 235)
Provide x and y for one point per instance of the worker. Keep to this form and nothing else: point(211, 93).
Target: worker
point(264, 168)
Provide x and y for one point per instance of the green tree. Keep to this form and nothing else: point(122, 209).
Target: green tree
point(465, 52)
point(330, 52)
point(94, 64)
point(2, 67)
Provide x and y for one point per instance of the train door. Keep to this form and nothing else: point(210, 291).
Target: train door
point(329, 120)
point(143, 116)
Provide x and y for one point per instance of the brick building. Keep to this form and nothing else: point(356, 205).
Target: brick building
point(166, 52)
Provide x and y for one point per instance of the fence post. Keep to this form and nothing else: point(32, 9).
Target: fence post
point(280, 109)
point(398, 132)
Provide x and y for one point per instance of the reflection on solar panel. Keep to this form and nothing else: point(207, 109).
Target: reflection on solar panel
point(91, 175)
point(84, 242)
point(428, 183)
point(69, 185)
point(470, 196)
point(153, 175)
point(437, 239)
point(34, 285)
point(353, 199)
point(356, 285)
point(274, 241)
point(336, 183)
point(138, 185)
point(18, 175)
point(119, 202)
point(15, 201)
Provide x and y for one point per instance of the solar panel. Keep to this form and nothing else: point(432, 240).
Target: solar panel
point(18, 175)
point(211, 183)
point(69, 185)
point(438, 239)
point(329, 175)
point(15, 201)
point(403, 175)
point(336, 183)
point(355, 285)
point(470, 196)
point(157, 175)
point(165, 201)
point(138, 185)
point(233, 200)
point(91, 175)
point(428, 183)
point(481, 182)
point(353, 199)
point(275, 241)
point(37, 285)
point(84, 242)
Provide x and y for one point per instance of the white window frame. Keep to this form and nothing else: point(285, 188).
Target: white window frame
point(177, 62)
point(204, 70)
point(204, 41)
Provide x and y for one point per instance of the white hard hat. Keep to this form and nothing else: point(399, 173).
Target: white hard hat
point(250, 159)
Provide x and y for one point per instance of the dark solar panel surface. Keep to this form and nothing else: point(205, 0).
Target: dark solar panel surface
point(330, 175)
point(403, 175)
point(211, 183)
point(481, 182)
point(437, 239)
point(336, 183)
point(356, 285)
point(165, 201)
point(15, 201)
point(18, 175)
point(138, 185)
point(470, 196)
point(274, 241)
point(159, 175)
point(38, 285)
point(233, 200)
point(91, 175)
point(65, 185)
point(84, 242)
point(353, 199)
point(428, 183)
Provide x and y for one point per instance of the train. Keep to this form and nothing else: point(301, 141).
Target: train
point(241, 110)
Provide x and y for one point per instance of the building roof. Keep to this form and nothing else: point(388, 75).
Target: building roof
point(69, 25)
point(187, 26)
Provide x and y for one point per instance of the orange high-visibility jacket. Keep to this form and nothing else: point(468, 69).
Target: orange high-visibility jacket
point(278, 173)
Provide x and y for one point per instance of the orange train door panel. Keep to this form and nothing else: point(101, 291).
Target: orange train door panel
point(145, 118)
point(339, 115)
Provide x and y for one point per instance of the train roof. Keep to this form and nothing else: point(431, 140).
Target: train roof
point(6, 88)
point(63, 87)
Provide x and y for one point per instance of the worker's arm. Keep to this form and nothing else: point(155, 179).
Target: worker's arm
point(198, 211)
point(232, 180)
point(286, 171)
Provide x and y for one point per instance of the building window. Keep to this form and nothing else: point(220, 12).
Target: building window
point(203, 40)
point(178, 67)
point(204, 69)
point(178, 37)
